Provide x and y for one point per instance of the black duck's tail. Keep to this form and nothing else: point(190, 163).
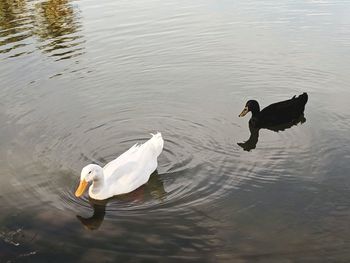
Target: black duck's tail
point(302, 99)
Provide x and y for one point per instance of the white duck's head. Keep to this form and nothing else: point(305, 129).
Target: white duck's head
point(90, 173)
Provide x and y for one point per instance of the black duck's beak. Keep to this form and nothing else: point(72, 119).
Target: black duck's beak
point(244, 112)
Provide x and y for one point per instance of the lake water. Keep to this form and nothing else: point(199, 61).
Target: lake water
point(82, 81)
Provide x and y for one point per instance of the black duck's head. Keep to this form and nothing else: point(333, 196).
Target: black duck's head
point(251, 105)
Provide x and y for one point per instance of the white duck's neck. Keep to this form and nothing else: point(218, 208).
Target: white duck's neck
point(97, 185)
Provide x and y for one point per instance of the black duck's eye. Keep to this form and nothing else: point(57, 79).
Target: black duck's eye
point(89, 172)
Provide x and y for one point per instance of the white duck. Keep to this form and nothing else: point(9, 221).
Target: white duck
point(124, 174)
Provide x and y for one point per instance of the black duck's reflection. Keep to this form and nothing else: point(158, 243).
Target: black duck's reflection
point(275, 117)
point(251, 143)
point(153, 189)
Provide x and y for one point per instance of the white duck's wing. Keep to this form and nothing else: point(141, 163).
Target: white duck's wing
point(151, 149)
point(133, 174)
point(133, 169)
point(121, 160)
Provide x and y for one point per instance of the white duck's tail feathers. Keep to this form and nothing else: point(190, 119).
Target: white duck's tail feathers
point(156, 134)
point(134, 148)
point(157, 142)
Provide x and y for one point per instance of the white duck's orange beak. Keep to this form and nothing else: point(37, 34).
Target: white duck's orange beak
point(81, 188)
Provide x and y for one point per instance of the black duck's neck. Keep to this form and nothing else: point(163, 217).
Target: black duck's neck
point(254, 107)
point(255, 110)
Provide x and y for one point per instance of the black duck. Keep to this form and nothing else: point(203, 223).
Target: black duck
point(276, 113)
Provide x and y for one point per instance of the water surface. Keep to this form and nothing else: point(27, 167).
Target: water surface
point(82, 81)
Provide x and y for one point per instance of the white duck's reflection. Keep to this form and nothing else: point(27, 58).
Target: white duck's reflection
point(153, 189)
point(251, 143)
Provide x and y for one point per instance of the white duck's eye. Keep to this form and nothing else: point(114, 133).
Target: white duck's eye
point(89, 172)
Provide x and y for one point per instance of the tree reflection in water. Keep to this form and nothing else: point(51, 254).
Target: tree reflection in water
point(54, 23)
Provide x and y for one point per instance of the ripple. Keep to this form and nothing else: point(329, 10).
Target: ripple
point(201, 165)
point(186, 174)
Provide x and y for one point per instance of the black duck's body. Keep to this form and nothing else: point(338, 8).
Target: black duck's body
point(278, 113)
point(275, 117)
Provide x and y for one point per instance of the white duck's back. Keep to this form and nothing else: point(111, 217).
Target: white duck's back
point(133, 168)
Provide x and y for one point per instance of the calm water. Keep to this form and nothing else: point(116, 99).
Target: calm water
point(82, 81)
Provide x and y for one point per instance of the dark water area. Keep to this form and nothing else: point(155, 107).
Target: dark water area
point(82, 81)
